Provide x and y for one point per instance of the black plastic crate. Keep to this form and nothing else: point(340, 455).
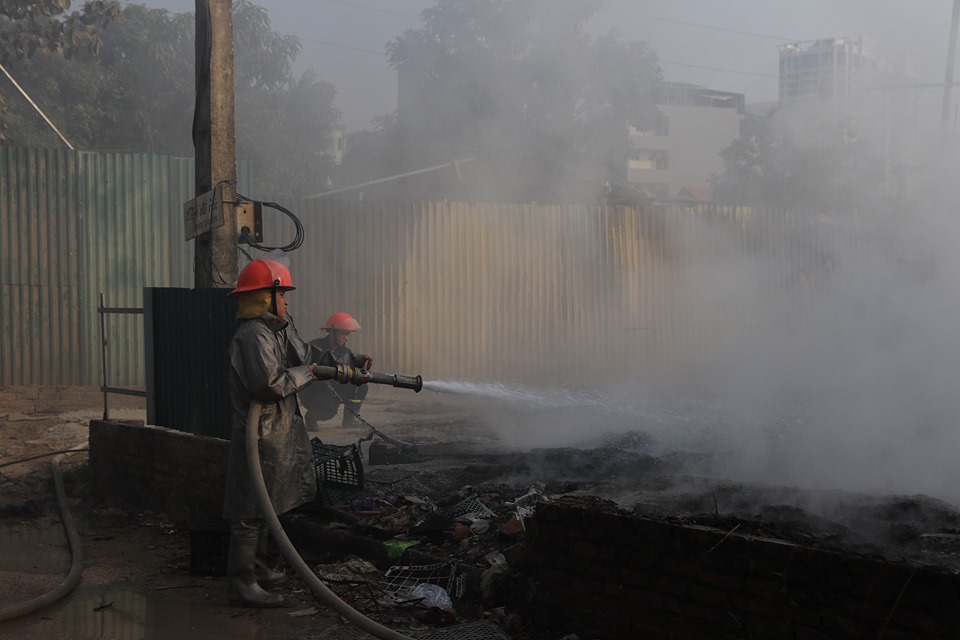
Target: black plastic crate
point(209, 545)
point(339, 472)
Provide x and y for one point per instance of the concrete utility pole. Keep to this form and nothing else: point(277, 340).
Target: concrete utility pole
point(951, 59)
point(214, 141)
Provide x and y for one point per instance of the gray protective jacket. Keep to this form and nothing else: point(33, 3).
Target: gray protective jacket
point(268, 363)
point(323, 399)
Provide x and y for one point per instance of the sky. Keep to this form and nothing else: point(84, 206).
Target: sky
point(727, 46)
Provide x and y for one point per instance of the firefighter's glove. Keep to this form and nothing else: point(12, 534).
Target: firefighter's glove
point(366, 362)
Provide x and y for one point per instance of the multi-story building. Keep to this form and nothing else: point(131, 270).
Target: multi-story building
point(683, 150)
point(845, 83)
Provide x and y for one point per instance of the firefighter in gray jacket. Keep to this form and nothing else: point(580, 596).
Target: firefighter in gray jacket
point(269, 362)
point(323, 400)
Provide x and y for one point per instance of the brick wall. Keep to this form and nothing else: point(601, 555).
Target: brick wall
point(32, 400)
point(603, 573)
point(147, 467)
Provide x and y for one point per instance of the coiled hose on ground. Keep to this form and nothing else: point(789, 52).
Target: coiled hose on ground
point(287, 549)
point(76, 554)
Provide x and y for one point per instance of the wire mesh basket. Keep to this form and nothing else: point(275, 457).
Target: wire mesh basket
point(399, 579)
point(472, 506)
point(339, 472)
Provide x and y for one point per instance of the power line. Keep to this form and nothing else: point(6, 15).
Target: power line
point(697, 66)
point(699, 25)
point(337, 44)
point(668, 20)
point(911, 85)
point(687, 23)
point(675, 64)
point(374, 9)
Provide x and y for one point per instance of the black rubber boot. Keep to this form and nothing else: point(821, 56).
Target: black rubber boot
point(242, 587)
point(266, 575)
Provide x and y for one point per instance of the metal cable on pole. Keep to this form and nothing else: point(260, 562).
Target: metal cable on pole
point(33, 104)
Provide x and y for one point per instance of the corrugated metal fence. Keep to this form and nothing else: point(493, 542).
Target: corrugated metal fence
point(39, 267)
point(482, 291)
point(447, 290)
point(73, 225)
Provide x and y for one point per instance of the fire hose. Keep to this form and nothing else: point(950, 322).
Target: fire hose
point(76, 553)
point(340, 373)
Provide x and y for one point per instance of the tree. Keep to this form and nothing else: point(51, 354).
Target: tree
point(287, 136)
point(283, 123)
point(28, 27)
point(136, 93)
point(796, 160)
point(520, 84)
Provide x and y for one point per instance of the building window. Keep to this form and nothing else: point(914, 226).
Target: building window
point(649, 159)
point(659, 128)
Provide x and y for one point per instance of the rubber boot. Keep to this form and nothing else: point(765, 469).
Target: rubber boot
point(242, 587)
point(266, 576)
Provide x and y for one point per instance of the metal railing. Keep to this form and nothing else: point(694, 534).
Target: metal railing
point(103, 310)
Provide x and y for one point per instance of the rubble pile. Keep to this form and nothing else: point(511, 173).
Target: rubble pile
point(447, 551)
point(453, 529)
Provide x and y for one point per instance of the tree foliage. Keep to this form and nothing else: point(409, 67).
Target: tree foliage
point(31, 26)
point(28, 27)
point(522, 85)
point(799, 161)
point(136, 93)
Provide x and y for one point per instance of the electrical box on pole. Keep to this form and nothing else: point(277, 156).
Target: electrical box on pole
point(250, 221)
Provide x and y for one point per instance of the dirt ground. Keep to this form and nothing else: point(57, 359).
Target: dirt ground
point(136, 581)
point(136, 565)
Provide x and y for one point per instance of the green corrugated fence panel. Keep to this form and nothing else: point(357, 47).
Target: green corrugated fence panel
point(133, 239)
point(73, 225)
point(39, 274)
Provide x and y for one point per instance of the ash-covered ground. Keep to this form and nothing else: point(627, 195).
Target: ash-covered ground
point(671, 464)
point(680, 468)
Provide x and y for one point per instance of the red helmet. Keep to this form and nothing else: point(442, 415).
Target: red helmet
point(341, 321)
point(263, 273)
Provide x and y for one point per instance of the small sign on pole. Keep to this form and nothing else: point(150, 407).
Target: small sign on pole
point(203, 214)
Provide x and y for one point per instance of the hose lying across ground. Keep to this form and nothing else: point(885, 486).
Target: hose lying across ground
point(289, 552)
point(76, 554)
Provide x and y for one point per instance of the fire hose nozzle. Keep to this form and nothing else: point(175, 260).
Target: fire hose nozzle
point(415, 383)
point(353, 375)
